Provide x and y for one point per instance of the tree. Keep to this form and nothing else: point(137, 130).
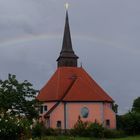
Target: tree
point(136, 105)
point(115, 107)
point(130, 122)
point(18, 98)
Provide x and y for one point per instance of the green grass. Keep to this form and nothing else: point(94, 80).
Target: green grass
point(81, 138)
point(128, 138)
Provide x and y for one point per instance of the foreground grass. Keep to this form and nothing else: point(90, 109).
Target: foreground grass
point(81, 138)
point(128, 138)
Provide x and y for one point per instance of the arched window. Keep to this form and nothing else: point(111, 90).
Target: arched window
point(58, 124)
point(108, 123)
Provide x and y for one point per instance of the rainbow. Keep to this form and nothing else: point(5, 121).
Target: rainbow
point(28, 38)
point(39, 37)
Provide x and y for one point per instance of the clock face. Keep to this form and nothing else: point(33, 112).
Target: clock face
point(84, 112)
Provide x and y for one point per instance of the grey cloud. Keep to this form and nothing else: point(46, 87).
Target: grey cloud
point(105, 36)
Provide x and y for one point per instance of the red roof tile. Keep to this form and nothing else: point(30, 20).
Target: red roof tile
point(84, 88)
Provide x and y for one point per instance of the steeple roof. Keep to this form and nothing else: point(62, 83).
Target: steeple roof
point(67, 44)
point(67, 54)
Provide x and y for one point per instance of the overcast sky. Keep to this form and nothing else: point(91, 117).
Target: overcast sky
point(105, 35)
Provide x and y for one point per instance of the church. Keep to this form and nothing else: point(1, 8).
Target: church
point(71, 92)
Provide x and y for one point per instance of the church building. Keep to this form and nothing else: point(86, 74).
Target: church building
point(71, 92)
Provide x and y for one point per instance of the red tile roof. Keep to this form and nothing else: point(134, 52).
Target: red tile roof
point(72, 84)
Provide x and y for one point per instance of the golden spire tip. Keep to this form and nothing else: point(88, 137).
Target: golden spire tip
point(66, 6)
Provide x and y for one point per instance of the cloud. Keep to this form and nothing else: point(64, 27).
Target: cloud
point(105, 36)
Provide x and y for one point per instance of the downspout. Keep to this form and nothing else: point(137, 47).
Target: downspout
point(65, 119)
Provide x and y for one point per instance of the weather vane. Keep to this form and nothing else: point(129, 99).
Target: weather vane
point(66, 6)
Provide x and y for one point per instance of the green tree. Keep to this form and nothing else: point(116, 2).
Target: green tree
point(136, 105)
point(131, 123)
point(115, 107)
point(18, 98)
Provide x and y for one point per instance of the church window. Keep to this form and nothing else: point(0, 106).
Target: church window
point(84, 112)
point(41, 109)
point(108, 123)
point(45, 108)
point(58, 124)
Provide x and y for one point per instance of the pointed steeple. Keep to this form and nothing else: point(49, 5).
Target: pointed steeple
point(67, 44)
point(67, 56)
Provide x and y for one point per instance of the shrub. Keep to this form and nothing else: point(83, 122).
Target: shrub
point(80, 128)
point(49, 131)
point(12, 128)
point(38, 130)
point(95, 130)
point(87, 129)
point(112, 133)
point(8, 129)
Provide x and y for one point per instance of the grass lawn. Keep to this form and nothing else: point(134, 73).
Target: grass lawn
point(81, 138)
point(128, 138)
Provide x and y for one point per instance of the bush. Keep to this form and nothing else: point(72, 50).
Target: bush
point(87, 129)
point(95, 130)
point(49, 131)
point(12, 128)
point(8, 129)
point(80, 128)
point(110, 133)
point(38, 130)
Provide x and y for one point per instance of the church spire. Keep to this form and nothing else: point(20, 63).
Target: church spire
point(67, 44)
point(67, 56)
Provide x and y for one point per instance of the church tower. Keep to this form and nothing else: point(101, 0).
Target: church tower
point(67, 57)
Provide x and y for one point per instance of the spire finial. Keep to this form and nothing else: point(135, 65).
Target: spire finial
point(66, 5)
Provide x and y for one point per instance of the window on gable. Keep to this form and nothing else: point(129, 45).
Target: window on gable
point(58, 124)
